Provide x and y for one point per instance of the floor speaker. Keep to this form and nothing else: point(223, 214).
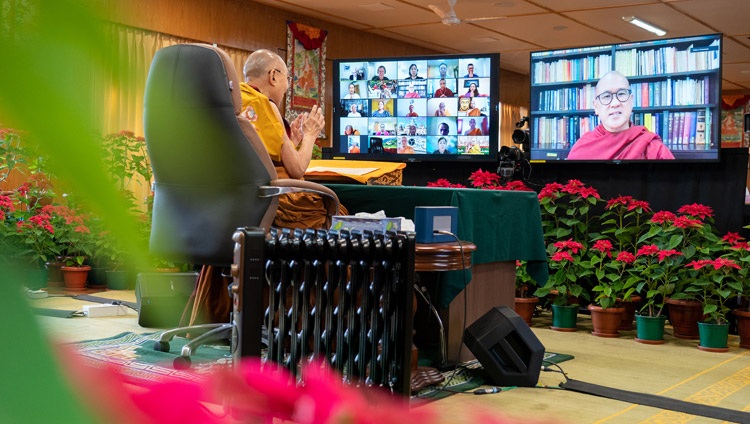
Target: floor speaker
point(506, 347)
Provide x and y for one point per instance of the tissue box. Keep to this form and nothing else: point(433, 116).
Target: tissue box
point(347, 222)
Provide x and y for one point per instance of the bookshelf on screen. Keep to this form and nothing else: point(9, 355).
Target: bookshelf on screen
point(675, 85)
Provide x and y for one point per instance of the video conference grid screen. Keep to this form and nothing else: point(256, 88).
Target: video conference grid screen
point(436, 106)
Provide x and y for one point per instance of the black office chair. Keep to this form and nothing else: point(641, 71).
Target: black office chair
point(212, 174)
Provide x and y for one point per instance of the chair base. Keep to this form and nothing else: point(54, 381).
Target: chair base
point(208, 333)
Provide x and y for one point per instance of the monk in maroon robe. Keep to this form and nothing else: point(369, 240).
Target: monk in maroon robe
point(636, 142)
point(616, 138)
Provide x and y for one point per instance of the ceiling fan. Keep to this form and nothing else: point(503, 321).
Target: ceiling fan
point(450, 18)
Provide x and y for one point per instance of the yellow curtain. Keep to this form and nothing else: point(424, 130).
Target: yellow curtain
point(509, 115)
point(119, 90)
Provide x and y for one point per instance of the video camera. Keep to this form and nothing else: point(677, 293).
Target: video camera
point(512, 158)
point(521, 136)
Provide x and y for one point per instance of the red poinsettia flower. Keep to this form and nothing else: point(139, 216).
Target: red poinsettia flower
point(686, 222)
point(6, 205)
point(573, 186)
point(719, 263)
point(647, 250)
point(663, 254)
point(618, 201)
point(517, 186)
point(551, 190)
point(697, 210)
point(562, 256)
point(663, 217)
point(625, 257)
point(442, 182)
point(570, 245)
point(732, 238)
point(480, 178)
point(635, 204)
point(698, 264)
point(604, 246)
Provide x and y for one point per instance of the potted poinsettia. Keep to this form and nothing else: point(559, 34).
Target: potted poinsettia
point(568, 271)
point(614, 283)
point(624, 220)
point(691, 233)
point(567, 210)
point(525, 301)
point(657, 270)
point(716, 282)
point(77, 241)
point(737, 249)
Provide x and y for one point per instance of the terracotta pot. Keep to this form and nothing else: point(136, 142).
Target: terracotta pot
point(75, 277)
point(606, 322)
point(629, 315)
point(524, 306)
point(684, 316)
point(743, 327)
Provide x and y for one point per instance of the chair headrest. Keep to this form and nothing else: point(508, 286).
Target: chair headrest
point(232, 77)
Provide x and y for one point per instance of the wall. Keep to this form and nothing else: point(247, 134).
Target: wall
point(250, 26)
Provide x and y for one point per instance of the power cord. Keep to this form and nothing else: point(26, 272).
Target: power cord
point(444, 386)
point(466, 281)
point(547, 368)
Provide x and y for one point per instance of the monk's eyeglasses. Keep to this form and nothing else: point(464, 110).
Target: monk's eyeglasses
point(288, 77)
point(622, 95)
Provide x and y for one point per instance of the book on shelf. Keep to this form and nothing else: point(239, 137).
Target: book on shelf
point(700, 130)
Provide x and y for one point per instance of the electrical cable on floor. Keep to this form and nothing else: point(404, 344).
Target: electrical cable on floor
point(546, 368)
point(97, 299)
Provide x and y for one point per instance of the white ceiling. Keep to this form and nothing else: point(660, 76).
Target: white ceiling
point(529, 25)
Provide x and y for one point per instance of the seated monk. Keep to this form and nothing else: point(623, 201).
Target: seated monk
point(615, 138)
point(290, 147)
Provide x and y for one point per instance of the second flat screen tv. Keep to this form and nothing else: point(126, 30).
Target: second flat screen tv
point(674, 92)
point(419, 108)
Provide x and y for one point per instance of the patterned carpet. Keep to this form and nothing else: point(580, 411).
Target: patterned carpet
point(139, 362)
point(471, 375)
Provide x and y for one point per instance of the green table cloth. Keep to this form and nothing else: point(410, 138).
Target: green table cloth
point(504, 225)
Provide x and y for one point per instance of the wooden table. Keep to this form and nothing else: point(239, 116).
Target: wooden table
point(504, 226)
point(449, 256)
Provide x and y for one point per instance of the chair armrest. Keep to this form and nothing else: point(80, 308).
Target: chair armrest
point(288, 185)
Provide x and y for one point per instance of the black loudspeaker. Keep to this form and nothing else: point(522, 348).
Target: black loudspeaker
point(506, 347)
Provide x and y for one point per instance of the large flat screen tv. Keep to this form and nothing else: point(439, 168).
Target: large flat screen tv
point(674, 92)
point(419, 108)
